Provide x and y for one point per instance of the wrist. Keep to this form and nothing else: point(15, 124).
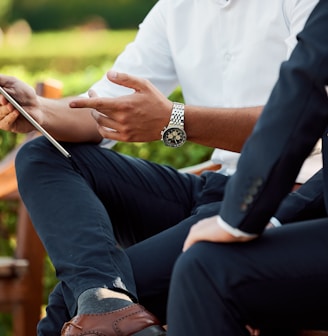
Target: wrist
point(174, 135)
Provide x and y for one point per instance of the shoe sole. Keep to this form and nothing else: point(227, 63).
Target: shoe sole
point(151, 331)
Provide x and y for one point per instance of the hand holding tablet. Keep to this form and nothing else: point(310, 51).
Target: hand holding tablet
point(34, 122)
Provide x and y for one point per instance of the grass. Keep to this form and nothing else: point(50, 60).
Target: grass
point(77, 58)
point(79, 43)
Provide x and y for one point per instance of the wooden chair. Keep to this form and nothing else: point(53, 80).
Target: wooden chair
point(21, 276)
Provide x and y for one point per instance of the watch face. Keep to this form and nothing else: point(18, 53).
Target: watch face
point(174, 137)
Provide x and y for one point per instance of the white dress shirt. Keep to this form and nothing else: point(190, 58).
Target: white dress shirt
point(223, 53)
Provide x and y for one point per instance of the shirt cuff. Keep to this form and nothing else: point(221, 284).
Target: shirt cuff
point(275, 222)
point(233, 231)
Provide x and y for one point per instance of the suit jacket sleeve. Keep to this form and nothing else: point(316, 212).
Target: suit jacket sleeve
point(305, 203)
point(294, 118)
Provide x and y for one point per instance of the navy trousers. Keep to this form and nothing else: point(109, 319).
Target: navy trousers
point(279, 281)
point(109, 220)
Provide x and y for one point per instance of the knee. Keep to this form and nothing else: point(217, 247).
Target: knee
point(204, 263)
point(187, 262)
point(190, 265)
point(33, 158)
point(32, 151)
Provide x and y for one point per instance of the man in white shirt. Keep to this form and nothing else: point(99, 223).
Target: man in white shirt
point(226, 56)
point(226, 68)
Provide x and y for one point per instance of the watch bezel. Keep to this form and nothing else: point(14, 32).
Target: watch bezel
point(167, 142)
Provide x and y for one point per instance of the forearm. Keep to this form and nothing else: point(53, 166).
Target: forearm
point(226, 128)
point(141, 116)
point(67, 124)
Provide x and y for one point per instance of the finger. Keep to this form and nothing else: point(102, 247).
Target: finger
point(190, 240)
point(123, 79)
point(102, 120)
point(4, 110)
point(105, 125)
point(7, 82)
point(8, 109)
point(3, 100)
point(109, 133)
point(4, 103)
point(197, 233)
point(8, 121)
point(269, 226)
point(253, 331)
point(96, 103)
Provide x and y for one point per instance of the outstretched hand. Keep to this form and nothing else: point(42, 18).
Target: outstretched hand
point(139, 116)
point(10, 118)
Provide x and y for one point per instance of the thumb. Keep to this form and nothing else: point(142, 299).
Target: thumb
point(123, 79)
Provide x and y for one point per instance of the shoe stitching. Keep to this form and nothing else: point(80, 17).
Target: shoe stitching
point(68, 324)
point(116, 322)
point(89, 332)
point(74, 325)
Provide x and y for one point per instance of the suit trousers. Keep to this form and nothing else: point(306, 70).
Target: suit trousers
point(110, 220)
point(277, 283)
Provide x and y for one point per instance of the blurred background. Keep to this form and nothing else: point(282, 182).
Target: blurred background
point(73, 42)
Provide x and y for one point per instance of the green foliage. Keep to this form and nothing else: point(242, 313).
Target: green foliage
point(74, 43)
point(5, 6)
point(6, 325)
point(189, 154)
point(7, 142)
point(8, 217)
point(61, 55)
point(62, 14)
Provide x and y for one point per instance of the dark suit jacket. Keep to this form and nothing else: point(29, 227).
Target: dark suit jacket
point(295, 117)
point(305, 203)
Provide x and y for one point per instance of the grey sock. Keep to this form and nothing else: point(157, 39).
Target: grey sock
point(94, 301)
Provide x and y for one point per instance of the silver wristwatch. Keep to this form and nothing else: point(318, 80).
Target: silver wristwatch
point(174, 134)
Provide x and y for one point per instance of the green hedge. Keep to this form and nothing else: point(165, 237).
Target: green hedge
point(61, 14)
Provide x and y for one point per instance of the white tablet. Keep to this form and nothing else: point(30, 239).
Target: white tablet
point(34, 122)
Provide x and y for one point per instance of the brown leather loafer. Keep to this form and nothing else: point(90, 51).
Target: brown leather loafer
point(133, 320)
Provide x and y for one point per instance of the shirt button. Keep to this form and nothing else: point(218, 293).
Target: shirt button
point(227, 57)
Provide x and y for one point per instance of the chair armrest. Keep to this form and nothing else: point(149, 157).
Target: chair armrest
point(201, 167)
point(11, 267)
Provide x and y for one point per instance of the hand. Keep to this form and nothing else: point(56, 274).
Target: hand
point(252, 331)
point(10, 118)
point(137, 117)
point(269, 226)
point(209, 230)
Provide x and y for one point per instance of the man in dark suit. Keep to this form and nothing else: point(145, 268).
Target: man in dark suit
point(235, 275)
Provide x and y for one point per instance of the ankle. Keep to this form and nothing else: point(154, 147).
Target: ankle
point(101, 300)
